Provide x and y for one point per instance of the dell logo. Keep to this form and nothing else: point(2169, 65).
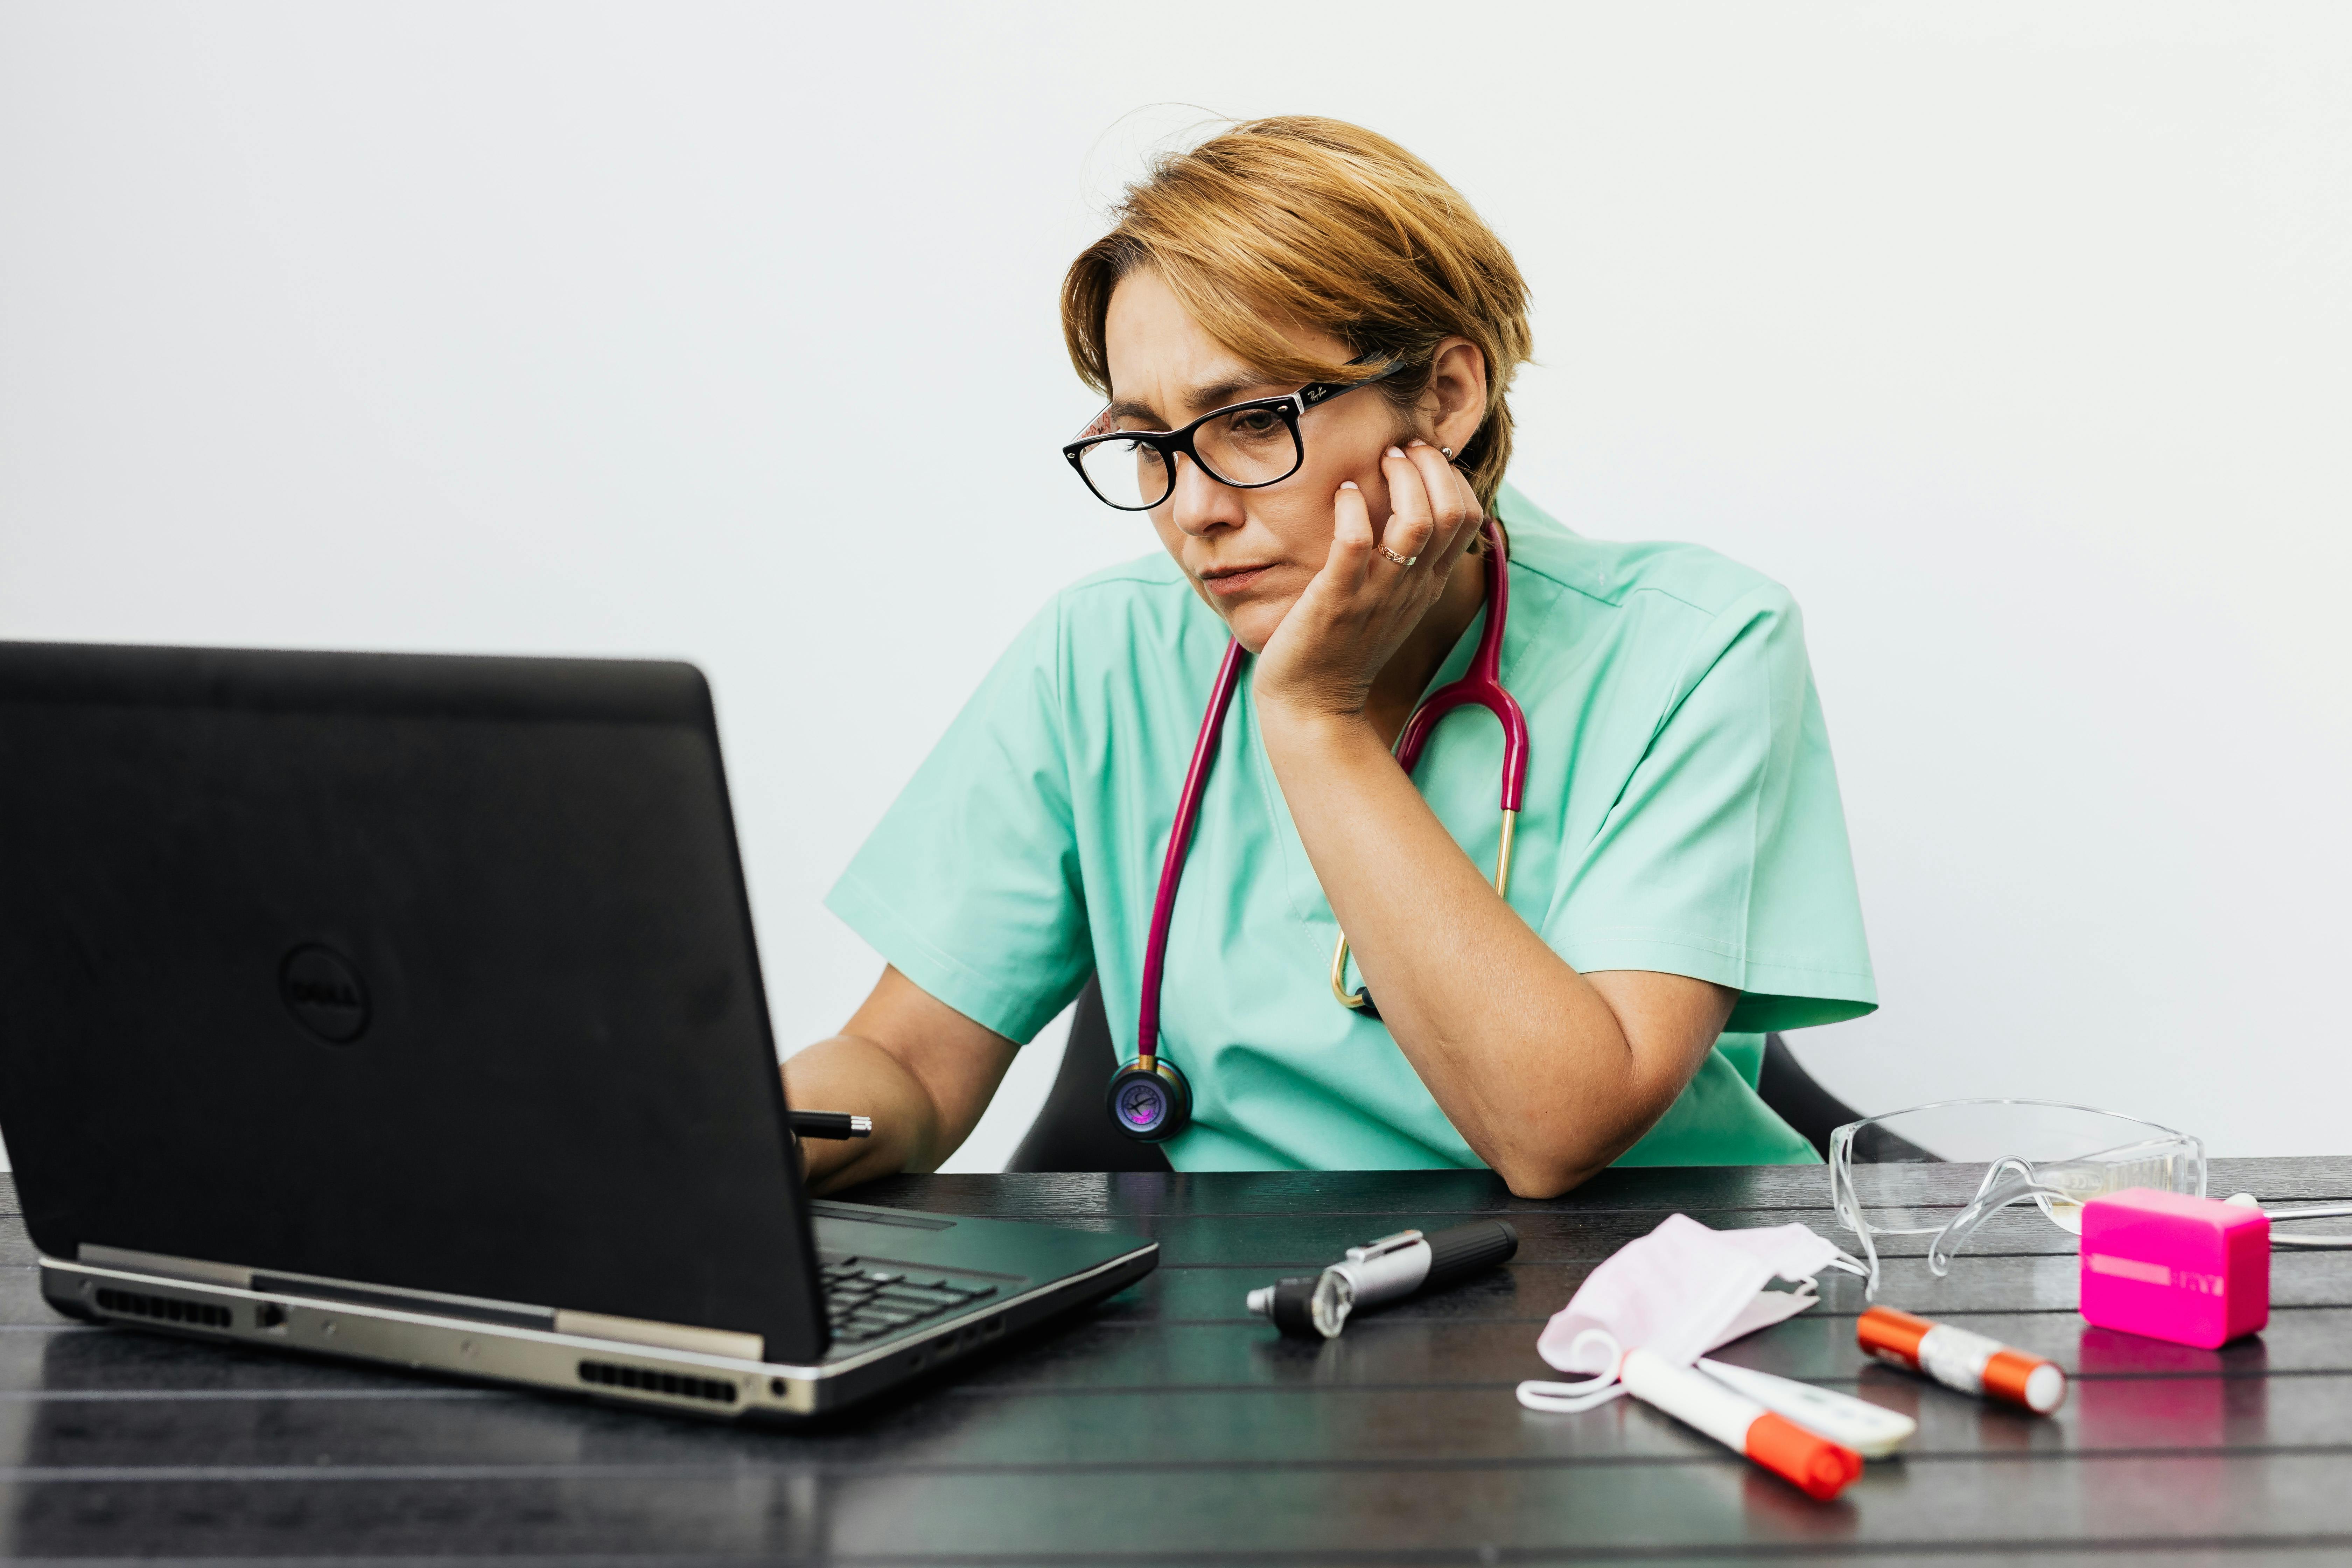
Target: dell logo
point(324, 992)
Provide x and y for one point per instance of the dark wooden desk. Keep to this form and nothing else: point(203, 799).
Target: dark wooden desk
point(1169, 1426)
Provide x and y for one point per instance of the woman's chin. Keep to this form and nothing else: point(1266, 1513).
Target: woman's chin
point(1254, 623)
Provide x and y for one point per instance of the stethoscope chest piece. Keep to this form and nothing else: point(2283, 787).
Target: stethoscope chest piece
point(1149, 1103)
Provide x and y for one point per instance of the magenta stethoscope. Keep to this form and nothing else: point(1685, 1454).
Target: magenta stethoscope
point(1149, 1099)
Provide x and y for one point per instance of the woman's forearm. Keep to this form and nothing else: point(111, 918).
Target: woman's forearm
point(1527, 1057)
point(922, 1070)
point(847, 1073)
point(1546, 1074)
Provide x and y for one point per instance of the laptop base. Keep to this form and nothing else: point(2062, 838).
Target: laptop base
point(684, 1381)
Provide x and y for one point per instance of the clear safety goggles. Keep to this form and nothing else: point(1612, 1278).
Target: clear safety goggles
point(1882, 1181)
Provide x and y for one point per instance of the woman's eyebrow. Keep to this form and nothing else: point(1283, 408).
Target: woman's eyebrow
point(1197, 400)
point(1216, 395)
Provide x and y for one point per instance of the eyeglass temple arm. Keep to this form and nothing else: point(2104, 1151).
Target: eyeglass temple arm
point(1315, 392)
point(1847, 1205)
point(2006, 1182)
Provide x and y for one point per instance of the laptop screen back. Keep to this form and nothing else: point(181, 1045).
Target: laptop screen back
point(431, 972)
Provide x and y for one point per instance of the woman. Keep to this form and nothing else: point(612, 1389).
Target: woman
point(1680, 867)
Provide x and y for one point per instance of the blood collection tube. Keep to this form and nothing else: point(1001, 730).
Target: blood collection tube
point(1960, 1360)
point(1819, 1467)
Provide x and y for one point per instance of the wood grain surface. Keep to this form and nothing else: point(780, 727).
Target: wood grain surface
point(1166, 1425)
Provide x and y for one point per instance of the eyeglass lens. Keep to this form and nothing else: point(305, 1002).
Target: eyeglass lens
point(1247, 447)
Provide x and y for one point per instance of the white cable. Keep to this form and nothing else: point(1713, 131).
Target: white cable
point(2322, 1210)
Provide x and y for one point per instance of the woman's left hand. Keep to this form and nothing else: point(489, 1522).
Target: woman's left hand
point(1359, 610)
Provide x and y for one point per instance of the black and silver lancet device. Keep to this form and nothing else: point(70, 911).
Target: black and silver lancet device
point(1379, 1273)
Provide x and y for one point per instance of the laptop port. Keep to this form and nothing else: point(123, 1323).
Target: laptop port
point(269, 1316)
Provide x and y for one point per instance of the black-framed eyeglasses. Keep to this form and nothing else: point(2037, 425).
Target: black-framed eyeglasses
point(1245, 445)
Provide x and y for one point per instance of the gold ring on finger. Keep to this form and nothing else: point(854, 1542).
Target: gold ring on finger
point(1400, 560)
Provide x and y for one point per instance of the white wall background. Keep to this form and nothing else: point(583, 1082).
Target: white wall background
point(2016, 338)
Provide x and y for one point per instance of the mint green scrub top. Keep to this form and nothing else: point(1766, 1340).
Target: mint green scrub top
point(1680, 815)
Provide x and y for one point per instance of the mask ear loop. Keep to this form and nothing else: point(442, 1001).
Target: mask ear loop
point(1587, 1393)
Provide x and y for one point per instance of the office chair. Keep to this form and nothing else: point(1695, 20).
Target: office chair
point(1074, 1134)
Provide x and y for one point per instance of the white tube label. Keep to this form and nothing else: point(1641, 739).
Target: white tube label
point(1956, 1358)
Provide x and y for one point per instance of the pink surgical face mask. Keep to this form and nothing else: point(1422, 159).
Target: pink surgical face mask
point(1679, 1292)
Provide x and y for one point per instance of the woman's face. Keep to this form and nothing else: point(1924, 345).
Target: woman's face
point(1249, 554)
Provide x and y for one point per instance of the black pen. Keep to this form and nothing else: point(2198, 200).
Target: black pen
point(1379, 1272)
point(831, 1124)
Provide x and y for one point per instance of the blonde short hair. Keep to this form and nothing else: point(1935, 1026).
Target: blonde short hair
point(1328, 224)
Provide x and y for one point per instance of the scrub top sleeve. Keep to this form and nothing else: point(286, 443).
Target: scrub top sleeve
point(1725, 856)
point(970, 884)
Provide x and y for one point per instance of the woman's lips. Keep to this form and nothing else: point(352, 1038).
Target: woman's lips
point(1233, 583)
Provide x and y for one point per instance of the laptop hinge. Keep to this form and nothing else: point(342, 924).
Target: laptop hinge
point(193, 1269)
point(197, 1271)
point(564, 1320)
point(661, 1336)
point(514, 1314)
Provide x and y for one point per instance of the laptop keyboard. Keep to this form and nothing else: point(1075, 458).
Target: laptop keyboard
point(868, 1300)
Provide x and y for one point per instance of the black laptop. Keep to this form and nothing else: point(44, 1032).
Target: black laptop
point(406, 1008)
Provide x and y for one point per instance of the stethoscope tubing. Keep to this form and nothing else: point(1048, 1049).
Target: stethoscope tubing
point(1180, 840)
point(1481, 685)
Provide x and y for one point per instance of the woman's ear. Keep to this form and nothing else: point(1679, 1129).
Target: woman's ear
point(1454, 404)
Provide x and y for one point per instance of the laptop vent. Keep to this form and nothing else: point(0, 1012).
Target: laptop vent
point(163, 1309)
point(611, 1374)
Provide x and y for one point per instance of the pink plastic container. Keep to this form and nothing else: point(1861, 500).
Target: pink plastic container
point(2192, 1271)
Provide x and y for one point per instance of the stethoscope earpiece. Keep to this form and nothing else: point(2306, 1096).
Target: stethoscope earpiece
point(1149, 1103)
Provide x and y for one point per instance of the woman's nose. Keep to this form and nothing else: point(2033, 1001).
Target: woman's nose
point(1202, 502)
